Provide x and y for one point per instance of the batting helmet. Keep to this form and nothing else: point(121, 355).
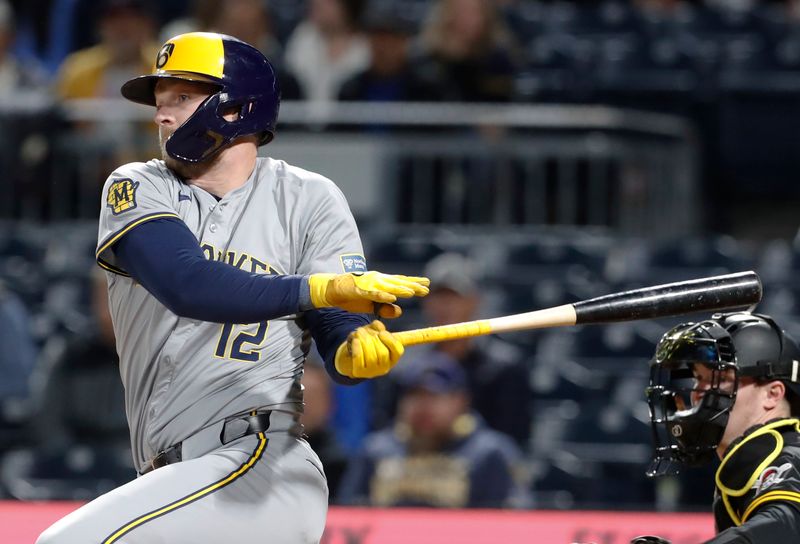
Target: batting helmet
point(732, 346)
point(246, 83)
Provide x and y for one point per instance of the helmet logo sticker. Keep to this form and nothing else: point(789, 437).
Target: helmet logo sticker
point(771, 476)
point(164, 54)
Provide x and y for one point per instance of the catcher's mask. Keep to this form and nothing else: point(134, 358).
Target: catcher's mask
point(689, 404)
point(245, 82)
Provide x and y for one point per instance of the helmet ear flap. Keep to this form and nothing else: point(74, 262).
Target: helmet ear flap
point(196, 139)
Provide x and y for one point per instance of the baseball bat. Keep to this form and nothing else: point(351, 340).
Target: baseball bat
point(684, 297)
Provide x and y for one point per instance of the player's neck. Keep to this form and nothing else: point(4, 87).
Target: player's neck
point(230, 171)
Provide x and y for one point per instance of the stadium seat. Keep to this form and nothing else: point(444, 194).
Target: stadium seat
point(80, 472)
point(615, 340)
point(604, 454)
point(695, 258)
point(402, 252)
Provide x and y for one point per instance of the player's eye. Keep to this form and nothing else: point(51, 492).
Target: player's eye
point(183, 97)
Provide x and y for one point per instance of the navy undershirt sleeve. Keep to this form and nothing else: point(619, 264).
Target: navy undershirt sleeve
point(163, 255)
point(329, 328)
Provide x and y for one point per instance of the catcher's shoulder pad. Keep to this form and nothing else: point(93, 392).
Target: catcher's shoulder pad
point(747, 459)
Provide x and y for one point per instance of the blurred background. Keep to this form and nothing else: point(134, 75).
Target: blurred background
point(523, 153)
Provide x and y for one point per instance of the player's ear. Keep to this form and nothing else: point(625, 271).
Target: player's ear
point(774, 393)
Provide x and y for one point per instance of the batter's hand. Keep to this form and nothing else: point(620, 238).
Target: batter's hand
point(368, 352)
point(360, 293)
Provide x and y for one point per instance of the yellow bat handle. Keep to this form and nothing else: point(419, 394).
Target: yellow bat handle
point(443, 333)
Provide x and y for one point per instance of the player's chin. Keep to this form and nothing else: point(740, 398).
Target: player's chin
point(187, 170)
point(176, 165)
point(162, 145)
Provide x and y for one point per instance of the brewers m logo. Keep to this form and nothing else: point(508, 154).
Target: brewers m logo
point(122, 195)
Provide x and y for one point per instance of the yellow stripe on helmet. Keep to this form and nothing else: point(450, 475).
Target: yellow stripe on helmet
point(195, 52)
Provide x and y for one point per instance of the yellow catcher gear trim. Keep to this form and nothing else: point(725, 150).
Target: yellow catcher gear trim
point(257, 454)
point(734, 517)
point(759, 469)
point(727, 492)
point(195, 52)
point(766, 429)
point(772, 496)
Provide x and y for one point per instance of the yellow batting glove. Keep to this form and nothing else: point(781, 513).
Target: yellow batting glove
point(360, 292)
point(369, 351)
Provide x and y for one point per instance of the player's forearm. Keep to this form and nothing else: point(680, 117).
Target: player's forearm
point(164, 257)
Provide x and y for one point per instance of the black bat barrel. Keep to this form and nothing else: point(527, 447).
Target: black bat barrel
point(685, 297)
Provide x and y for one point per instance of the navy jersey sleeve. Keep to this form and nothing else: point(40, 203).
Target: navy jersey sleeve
point(163, 256)
point(329, 328)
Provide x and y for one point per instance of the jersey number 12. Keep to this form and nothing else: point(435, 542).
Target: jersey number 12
point(235, 346)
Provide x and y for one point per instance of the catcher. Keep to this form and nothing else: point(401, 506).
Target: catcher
point(730, 386)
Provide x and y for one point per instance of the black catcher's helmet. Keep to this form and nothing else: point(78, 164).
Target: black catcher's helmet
point(688, 428)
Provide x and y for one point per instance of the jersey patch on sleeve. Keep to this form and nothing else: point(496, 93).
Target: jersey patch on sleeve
point(353, 262)
point(122, 195)
point(771, 476)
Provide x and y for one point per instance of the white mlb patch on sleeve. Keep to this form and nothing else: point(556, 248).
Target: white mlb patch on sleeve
point(353, 262)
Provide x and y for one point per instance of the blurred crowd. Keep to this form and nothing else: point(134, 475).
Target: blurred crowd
point(324, 49)
point(550, 420)
point(454, 50)
point(732, 68)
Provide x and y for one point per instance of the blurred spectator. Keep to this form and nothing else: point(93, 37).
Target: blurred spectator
point(15, 75)
point(316, 421)
point(82, 442)
point(326, 49)
point(250, 21)
point(80, 392)
point(466, 52)
point(497, 377)
point(388, 77)
point(17, 349)
point(439, 453)
point(735, 5)
point(199, 18)
point(126, 49)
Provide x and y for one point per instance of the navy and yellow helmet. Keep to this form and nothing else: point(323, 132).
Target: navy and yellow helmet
point(245, 80)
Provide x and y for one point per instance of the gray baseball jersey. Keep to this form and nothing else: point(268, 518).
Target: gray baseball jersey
point(181, 375)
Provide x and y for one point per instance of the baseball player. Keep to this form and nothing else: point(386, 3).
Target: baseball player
point(730, 386)
point(221, 267)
